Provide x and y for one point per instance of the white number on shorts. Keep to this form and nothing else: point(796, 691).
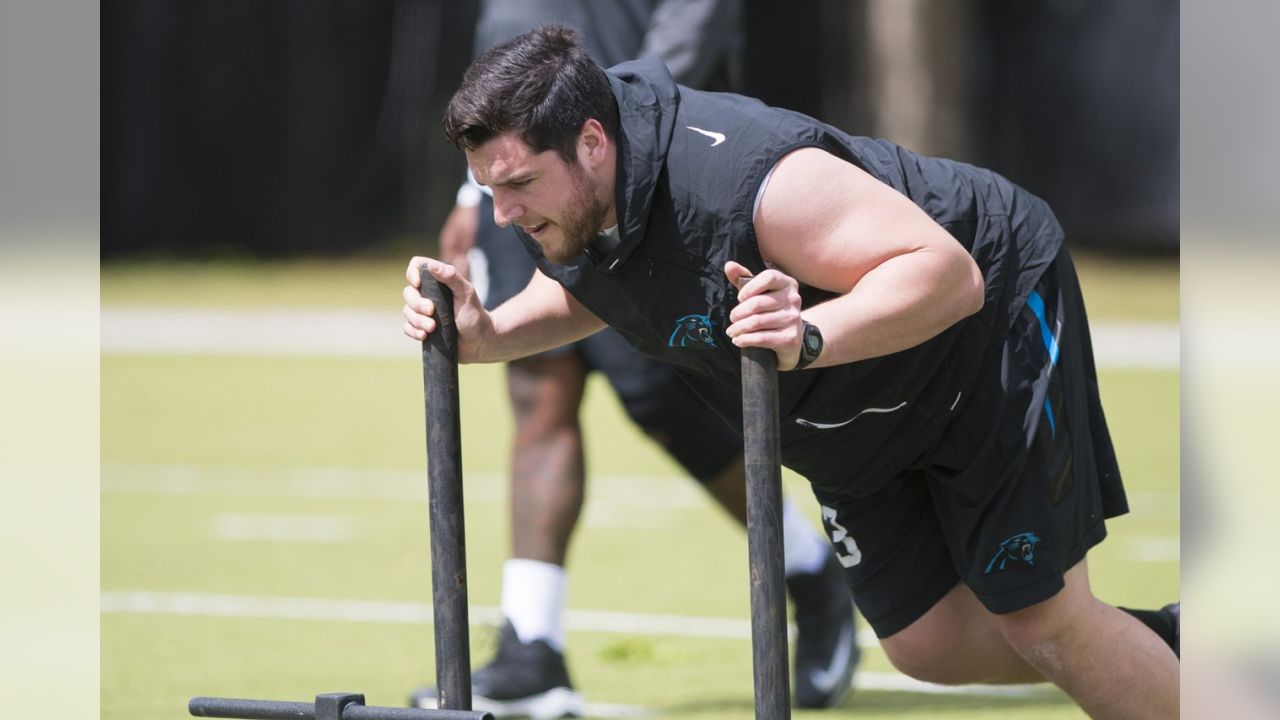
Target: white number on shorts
point(840, 538)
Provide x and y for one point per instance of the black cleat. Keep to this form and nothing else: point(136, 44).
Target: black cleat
point(826, 636)
point(523, 680)
point(1174, 610)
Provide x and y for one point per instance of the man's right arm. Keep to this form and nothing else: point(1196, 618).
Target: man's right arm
point(540, 317)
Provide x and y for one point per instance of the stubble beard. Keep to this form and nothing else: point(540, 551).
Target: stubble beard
point(583, 221)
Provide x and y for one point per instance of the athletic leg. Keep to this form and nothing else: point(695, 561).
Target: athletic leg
point(1104, 658)
point(547, 482)
point(957, 642)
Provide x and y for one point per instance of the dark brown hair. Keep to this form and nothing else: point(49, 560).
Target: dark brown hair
point(541, 84)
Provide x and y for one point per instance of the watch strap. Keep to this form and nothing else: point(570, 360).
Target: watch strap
point(807, 353)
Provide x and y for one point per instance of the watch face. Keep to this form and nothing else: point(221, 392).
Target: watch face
point(812, 339)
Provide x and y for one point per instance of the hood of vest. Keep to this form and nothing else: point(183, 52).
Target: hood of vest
point(648, 99)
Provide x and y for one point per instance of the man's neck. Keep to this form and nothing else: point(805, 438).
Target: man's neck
point(603, 244)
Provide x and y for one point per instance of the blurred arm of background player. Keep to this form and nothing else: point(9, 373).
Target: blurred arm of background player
point(458, 234)
point(688, 36)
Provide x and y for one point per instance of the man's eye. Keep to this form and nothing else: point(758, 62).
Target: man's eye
point(521, 183)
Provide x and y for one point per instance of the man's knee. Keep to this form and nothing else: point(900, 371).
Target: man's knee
point(1043, 633)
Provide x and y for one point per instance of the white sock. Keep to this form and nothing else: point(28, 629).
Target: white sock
point(804, 550)
point(533, 595)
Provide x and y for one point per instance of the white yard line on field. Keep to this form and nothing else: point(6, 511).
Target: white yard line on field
point(412, 613)
point(369, 333)
point(1155, 548)
point(897, 682)
point(605, 710)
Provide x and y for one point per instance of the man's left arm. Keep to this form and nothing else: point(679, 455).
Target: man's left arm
point(826, 223)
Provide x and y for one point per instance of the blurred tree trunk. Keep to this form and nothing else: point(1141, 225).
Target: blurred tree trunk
point(918, 53)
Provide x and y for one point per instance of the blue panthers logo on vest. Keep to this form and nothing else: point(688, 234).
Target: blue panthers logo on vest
point(1016, 553)
point(693, 331)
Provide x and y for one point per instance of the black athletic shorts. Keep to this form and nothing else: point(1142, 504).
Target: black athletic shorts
point(654, 396)
point(1014, 495)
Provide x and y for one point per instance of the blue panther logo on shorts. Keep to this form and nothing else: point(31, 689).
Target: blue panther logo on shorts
point(1020, 550)
point(693, 331)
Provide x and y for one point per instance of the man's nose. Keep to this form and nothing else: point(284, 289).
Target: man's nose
point(505, 212)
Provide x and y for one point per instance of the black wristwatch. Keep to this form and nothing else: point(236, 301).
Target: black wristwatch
point(810, 345)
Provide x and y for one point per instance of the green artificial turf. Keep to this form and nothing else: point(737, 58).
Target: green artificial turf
point(194, 445)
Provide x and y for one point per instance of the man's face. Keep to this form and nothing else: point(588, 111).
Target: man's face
point(559, 204)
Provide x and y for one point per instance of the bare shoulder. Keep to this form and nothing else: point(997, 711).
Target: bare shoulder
point(810, 179)
point(826, 222)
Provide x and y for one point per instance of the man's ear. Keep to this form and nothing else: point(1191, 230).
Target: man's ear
point(592, 143)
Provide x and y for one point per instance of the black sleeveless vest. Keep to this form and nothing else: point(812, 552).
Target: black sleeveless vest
point(690, 164)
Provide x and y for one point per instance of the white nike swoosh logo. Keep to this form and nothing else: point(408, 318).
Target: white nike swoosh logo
point(829, 426)
point(825, 680)
point(718, 137)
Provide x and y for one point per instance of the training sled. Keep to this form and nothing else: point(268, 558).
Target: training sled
point(448, 557)
point(328, 706)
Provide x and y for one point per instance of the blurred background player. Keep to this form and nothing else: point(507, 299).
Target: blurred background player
point(699, 41)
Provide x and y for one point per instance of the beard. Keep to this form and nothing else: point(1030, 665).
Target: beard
point(582, 221)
